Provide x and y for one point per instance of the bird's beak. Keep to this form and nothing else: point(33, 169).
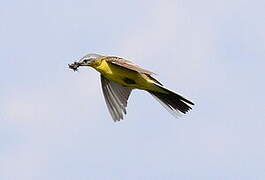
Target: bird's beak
point(83, 64)
point(74, 66)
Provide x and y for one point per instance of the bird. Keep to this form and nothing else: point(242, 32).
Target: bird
point(120, 76)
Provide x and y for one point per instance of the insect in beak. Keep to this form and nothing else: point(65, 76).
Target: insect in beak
point(74, 66)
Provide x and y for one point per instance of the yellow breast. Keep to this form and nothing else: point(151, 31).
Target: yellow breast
point(123, 75)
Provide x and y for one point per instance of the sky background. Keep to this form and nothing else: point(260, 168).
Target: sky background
point(54, 123)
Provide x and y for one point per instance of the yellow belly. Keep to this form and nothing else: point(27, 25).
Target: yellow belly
point(124, 76)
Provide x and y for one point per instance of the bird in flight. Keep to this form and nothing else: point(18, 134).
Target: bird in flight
point(119, 77)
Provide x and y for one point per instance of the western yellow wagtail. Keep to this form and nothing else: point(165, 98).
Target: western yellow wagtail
point(119, 77)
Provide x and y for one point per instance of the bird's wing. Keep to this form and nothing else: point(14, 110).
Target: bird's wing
point(127, 64)
point(116, 97)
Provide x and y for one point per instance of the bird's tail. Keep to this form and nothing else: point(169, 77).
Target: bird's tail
point(173, 102)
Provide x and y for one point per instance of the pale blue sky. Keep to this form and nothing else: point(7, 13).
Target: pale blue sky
point(54, 122)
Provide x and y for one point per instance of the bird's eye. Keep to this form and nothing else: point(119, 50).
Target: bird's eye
point(85, 61)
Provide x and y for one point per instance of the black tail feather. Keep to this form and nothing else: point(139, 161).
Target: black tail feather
point(173, 101)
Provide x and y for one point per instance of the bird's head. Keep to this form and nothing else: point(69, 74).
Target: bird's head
point(87, 60)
